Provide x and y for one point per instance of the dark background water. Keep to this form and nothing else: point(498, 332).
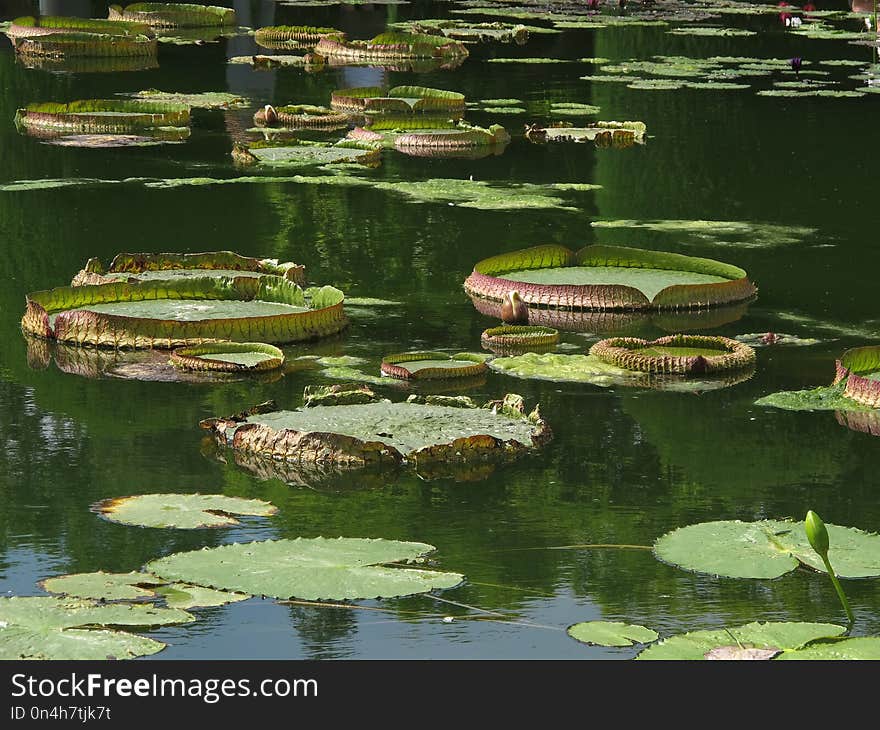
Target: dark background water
point(626, 465)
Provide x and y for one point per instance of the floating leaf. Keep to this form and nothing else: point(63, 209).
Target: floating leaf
point(47, 627)
point(174, 15)
point(766, 549)
point(824, 398)
point(181, 511)
point(851, 648)
point(228, 357)
point(675, 354)
point(433, 365)
point(309, 569)
point(785, 636)
point(186, 596)
point(611, 633)
point(102, 586)
point(201, 100)
point(562, 368)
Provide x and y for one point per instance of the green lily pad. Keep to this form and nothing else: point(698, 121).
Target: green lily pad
point(712, 32)
point(46, 627)
point(611, 633)
point(823, 398)
point(185, 596)
point(785, 636)
point(727, 233)
point(562, 368)
point(181, 511)
point(201, 100)
point(309, 569)
point(302, 153)
point(856, 647)
point(770, 339)
point(766, 549)
point(102, 586)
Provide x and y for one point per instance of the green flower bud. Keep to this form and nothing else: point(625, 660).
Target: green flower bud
point(816, 533)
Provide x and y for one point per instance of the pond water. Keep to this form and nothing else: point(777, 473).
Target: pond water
point(794, 180)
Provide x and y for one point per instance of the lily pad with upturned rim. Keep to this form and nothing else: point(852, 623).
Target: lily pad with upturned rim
point(174, 15)
point(308, 568)
point(181, 511)
point(611, 633)
point(766, 549)
point(512, 338)
point(604, 278)
point(675, 354)
point(433, 365)
point(228, 357)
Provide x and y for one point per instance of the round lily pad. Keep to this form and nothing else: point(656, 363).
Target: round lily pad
point(180, 312)
point(777, 636)
point(303, 153)
point(293, 36)
point(100, 116)
point(228, 357)
point(57, 47)
point(433, 365)
point(46, 627)
point(309, 569)
point(766, 549)
point(611, 633)
point(29, 26)
point(675, 354)
point(181, 511)
point(608, 278)
point(102, 586)
point(391, 47)
point(563, 368)
point(300, 116)
point(513, 338)
point(364, 430)
point(399, 100)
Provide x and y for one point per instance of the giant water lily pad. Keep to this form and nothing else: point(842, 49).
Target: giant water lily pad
point(766, 549)
point(30, 26)
point(400, 99)
point(392, 46)
point(608, 278)
point(45, 627)
point(199, 100)
point(278, 37)
point(611, 633)
point(147, 266)
point(303, 153)
point(181, 511)
point(174, 15)
point(228, 357)
point(784, 636)
point(100, 116)
point(103, 586)
point(309, 569)
point(433, 365)
point(179, 312)
point(300, 116)
point(63, 46)
point(366, 430)
point(466, 32)
point(517, 338)
point(675, 354)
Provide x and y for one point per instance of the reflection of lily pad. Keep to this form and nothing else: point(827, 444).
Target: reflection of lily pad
point(766, 549)
point(181, 511)
point(47, 627)
point(309, 569)
point(433, 365)
point(611, 633)
point(102, 586)
point(785, 636)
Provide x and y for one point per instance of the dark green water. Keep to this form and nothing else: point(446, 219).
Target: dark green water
point(626, 465)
